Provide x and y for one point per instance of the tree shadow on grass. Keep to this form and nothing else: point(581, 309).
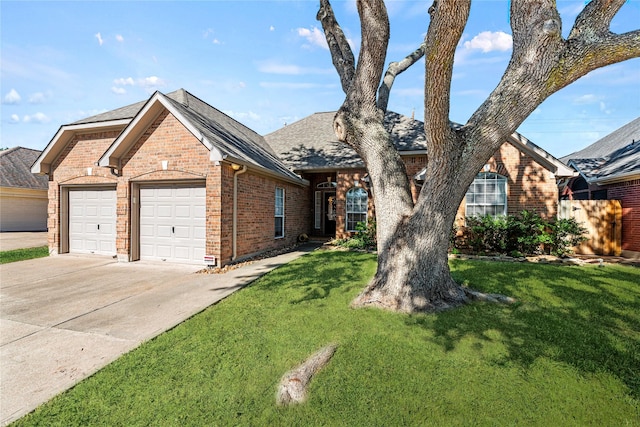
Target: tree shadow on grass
point(590, 321)
point(317, 278)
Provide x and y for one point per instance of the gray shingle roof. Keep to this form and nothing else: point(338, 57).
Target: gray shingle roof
point(311, 143)
point(614, 156)
point(15, 169)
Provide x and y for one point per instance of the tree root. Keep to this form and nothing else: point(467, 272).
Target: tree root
point(481, 296)
point(293, 386)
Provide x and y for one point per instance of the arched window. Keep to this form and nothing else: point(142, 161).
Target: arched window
point(487, 195)
point(357, 202)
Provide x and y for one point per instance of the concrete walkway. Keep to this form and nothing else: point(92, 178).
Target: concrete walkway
point(63, 318)
point(20, 240)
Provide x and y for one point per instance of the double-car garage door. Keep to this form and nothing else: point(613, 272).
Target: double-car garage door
point(172, 222)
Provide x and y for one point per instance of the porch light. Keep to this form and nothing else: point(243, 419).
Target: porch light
point(89, 171)
point(235, 167)
point(165, 165)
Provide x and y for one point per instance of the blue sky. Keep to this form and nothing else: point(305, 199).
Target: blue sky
point(265, 63)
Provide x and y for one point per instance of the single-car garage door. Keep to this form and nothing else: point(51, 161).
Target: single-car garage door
point(92, 221)
point(173, 224)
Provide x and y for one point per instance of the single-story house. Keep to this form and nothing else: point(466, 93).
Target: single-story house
point(174, 179)
point(23, 196)
point(519, 176)
point(609, 169)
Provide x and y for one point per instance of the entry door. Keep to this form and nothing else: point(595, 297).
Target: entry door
point(330, 213)
point(173, 224)
point(92, 221)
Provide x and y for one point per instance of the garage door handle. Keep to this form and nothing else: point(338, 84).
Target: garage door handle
point(98, 226)
point(173, 230)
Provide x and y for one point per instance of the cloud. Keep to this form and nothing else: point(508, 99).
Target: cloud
point(586, 99)
point(604, 109)
point(36, 118)
point(39, 97)
point(272, 28)
point(124, 82)
point(272, 67)
point(14, 119)
point(314, 37)
point(216, 41)
point(248, 115)
point(118, 90)
point(488, 41)
point(294, 86)
point(12, 98)
point(150, 84)
point(99, 37)
point(119, 38)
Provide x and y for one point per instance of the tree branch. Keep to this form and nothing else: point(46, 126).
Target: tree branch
point(595, 18)
point(341, 53)
point(396, 68)
point(448, 19)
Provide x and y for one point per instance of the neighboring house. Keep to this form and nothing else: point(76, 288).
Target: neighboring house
point(609, 169)
point(23, 196)
point(171, 179)
point(519, 176)
point(174, 179)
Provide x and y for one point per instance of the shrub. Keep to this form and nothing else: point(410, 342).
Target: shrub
point(487, 233)
point(565, 234)
point(364, 237)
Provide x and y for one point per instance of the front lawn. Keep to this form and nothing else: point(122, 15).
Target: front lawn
point(23, 254)
point(568, 353)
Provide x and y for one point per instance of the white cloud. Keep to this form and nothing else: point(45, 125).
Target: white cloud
point(151, 82)
point(488, 41)
point(272, 28)
point(243, 115)
point(292, 85)
point(39, 97)
point(216, 41)
point(36, 118)
point(118, 90)
point(314, 36)
point(13, 97)
point(124, 82)
point(604, 108)
point(14, 118)
point(99, 37)
point(272, 67)
point(586, 99)
point(119, 38)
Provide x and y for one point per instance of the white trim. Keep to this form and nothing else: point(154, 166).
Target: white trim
point(276, 212)
point(352, 212)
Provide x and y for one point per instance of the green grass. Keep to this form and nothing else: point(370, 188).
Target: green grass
point(23, 254)
point(567, 354)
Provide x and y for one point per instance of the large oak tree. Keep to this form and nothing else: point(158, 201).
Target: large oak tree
point(413, 272)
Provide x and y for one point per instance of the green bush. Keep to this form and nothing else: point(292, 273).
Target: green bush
point(364, 237)
point(524, 234)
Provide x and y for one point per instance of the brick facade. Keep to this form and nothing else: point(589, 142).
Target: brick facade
point(187, 162)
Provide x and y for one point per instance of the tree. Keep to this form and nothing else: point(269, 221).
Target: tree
point(413, 273)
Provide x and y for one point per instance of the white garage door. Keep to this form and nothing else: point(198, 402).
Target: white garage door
point(92, 221)
point(172, 224)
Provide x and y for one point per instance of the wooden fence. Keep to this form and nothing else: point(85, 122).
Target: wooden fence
point(603, 220)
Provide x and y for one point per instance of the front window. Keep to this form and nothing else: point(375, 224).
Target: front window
point(487, 195)
point(279, 215)
point(357, 202)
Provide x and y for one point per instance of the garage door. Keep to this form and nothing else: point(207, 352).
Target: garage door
point(172, 224)
point(92, 221)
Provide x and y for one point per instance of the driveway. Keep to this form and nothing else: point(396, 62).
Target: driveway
point(64, 317)
point(10, 240)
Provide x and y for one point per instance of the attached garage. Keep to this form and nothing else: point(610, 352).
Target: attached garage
point(173, 223)
point(92, 221)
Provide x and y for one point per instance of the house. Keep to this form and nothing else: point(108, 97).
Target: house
point(174, 179)
point(23, 196)
point(609, 169)
point(520, 175)
point(170, 179)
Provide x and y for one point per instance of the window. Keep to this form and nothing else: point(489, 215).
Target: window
point(487, 195)
point(279, 215)
point(357, 201)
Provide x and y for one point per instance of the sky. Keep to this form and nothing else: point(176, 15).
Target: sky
point(266, 64)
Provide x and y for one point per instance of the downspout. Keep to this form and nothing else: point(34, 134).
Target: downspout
point(235, 211)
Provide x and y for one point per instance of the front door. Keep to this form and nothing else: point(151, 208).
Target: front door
point(329, 213)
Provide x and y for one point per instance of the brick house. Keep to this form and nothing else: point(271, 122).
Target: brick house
point(171, 179)
point(609, 169)
point(174, 179)
point(520, 175)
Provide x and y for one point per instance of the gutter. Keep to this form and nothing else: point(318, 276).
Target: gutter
point(234, 236)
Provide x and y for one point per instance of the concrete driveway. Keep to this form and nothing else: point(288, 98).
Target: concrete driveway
point(19, 240)
point(62, 318)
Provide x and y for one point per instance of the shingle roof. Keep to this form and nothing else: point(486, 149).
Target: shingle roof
point(311, 143)
point(613, 157)
point(15, 169)
point(228, 135)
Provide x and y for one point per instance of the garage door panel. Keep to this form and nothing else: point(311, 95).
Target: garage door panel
point(172, 224)
point(92, 221)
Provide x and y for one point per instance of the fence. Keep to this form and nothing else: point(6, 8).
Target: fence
point(603, 220)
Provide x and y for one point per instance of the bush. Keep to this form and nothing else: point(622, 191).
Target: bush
point(524, 234)
point(364, 237)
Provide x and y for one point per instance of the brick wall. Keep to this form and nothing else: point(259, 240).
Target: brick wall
point(629, 193)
